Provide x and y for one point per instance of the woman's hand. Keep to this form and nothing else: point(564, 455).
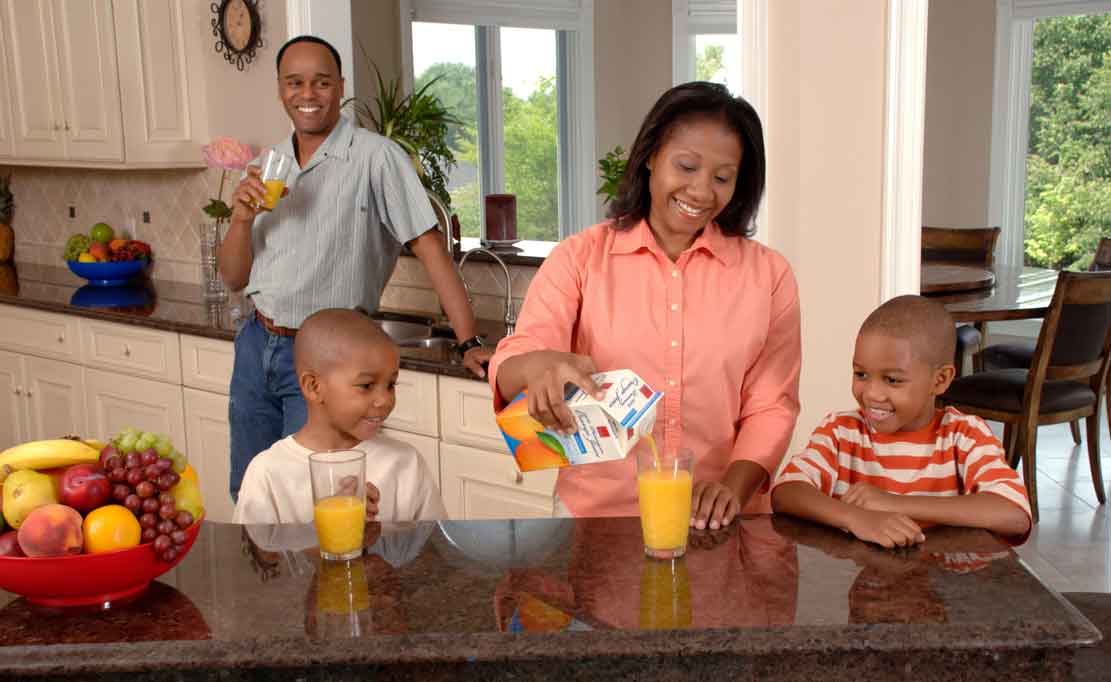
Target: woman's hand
point(545, 384)
point(713, 505)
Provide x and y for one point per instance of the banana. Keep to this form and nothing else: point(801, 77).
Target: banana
point(47, 454)
point(95, 444)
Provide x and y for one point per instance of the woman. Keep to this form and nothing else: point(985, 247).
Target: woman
point(672, 288)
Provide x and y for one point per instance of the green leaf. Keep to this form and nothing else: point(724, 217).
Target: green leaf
point(552, 443)
point(217, 209)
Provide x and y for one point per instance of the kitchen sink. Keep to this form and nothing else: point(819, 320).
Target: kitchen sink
point(414, 331)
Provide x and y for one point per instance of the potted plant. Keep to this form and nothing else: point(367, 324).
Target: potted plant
point(611, 167)
point(417, 122)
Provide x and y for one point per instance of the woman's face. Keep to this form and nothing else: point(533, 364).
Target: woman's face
point(692, 177)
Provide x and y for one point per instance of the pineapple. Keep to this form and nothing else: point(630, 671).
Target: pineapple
point(7, 205)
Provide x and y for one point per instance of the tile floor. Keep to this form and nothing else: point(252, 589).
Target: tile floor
point(1070, 548)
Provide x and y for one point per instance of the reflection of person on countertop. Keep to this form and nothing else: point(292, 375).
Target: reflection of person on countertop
point(347, 369)
point(897, 463)
point(355, 198)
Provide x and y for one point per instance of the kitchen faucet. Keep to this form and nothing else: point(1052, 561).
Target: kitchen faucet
point(510, 316)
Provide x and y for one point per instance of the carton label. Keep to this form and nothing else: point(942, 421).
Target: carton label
point(607, 428)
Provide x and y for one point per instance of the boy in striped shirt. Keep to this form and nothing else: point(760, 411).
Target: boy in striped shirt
point(897, 463)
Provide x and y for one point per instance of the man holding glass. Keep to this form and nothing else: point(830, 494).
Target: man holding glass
point(330, 243)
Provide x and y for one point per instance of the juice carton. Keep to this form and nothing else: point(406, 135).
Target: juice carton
point(607, 428)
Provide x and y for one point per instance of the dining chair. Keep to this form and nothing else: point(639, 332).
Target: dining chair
point(1066, 376)
point(1020, 353)
point(962, 246)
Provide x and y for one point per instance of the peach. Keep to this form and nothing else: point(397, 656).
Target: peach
point(51, 530)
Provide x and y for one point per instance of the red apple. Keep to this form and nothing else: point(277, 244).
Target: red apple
point(85, 487)
point(9, 545)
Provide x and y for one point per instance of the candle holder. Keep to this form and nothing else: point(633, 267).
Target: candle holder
point(500, 233)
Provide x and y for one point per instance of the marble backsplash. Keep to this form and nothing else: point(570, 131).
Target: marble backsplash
point(163, 207)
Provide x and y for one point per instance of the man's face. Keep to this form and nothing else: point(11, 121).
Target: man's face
point(310, 87)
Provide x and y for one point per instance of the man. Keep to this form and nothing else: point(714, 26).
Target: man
point(331, 243)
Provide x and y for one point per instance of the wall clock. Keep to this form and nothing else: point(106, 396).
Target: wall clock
point(238, 30)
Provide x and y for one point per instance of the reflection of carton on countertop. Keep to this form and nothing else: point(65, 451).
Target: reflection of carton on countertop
point(607, 428)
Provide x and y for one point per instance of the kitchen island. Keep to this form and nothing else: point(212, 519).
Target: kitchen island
point(768, 598)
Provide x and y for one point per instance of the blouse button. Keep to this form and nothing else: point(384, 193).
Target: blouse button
point(674, 343)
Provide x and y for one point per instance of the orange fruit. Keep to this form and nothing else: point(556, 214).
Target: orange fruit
point(533, 454)
point(110, 527)
point(517, 423)
point(191, 473)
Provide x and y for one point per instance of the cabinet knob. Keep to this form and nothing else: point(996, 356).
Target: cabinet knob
point(18, 390)
point(57, 126)
point(126, 351)
point(61, 338)
point(28, 393)
point(518, 478)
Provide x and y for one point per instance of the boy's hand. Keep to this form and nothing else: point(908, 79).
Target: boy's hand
point(713, 505)
point(887, 529)
point(869, 497)
point(372, 497)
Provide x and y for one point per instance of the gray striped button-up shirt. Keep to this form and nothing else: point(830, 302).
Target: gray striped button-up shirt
point(334, 240)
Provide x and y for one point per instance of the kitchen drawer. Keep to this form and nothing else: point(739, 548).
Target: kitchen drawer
point(207, 363)
point(141, 352)
point(40, 333)
point(415, 411)
point(467, 414)
point(477, 484)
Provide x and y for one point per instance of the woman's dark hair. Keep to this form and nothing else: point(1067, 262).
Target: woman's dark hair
point(683, 103)
point(308, 39)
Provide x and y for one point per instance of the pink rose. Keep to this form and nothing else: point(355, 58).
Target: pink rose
point(227, 153)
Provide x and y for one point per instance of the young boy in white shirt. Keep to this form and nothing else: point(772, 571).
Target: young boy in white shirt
point(347, 369)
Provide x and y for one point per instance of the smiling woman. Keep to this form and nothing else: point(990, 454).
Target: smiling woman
point(657, 289)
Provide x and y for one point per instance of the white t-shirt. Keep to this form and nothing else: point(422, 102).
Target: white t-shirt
point(277, 487)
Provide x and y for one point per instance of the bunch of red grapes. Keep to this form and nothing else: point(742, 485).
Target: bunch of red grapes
point(141, 481)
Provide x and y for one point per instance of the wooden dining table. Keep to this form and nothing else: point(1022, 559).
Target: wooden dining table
point(978, 294)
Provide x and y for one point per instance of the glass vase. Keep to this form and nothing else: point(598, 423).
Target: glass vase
point(212, 286)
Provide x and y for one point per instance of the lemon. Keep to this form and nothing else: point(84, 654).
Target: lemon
point(86, 258)
point(110, 527)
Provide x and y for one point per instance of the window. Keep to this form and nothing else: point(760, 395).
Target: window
point(519, 83)
point(707, 44)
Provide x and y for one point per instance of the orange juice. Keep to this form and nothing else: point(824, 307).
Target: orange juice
point(665, 595)
point(342, 587)
point(339, 524)
point(273, 193)
point(665, 509)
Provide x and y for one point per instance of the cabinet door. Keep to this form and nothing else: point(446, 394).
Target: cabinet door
point(164, 108)
point(207, 363)
point(56, 399)
point(6, 149)
point(115, 401)
point(86, 46)
point(415, 410)
point(208, 447)
point(13, 411)
point(38, 120)
point(467, 414)
point(429, 449)
point(478, 484)
point(149, 353)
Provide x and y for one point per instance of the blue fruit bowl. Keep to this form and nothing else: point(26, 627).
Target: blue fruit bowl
point(132, 295)
point(107, 274)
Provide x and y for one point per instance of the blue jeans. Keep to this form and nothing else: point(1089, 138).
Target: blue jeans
point(265, 403)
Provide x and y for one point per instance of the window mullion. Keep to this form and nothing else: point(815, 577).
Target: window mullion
point(490, 125)
point(566, 161)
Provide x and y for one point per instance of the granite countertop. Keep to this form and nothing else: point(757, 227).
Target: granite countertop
point(768, 598)
point(180, 307)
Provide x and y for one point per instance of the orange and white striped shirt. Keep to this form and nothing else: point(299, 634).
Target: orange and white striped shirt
point(955, 454)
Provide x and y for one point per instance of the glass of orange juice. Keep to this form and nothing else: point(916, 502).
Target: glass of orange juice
point(339, 502)
point(275, 170)
point(664, 484)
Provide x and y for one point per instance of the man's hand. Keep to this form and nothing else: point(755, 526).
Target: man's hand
point(248, 196)
point(546, 388)
point(713, 505)
point(885, 528)
point(475, 358)
point(869, 497)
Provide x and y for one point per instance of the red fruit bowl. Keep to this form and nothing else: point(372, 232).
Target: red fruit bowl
point(84, 579)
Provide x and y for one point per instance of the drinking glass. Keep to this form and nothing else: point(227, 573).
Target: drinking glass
point(339, 502)
point(275, 170)
point(664, 485)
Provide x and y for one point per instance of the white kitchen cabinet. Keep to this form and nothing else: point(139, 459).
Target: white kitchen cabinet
point(149, 353)
point(207, 445)
point(39, 399)
point(207, 363)
point(427, 447)
point(415, 410)
point(6, 150)
point(36, 332)
point(467, 414)
point(115, 401)
point(163, 101)
point(63, 80)
point(478, 484)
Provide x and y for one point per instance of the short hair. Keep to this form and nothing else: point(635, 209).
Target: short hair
point(308, 39)
point(325, 338)
point(925, 323)
point(684, 103)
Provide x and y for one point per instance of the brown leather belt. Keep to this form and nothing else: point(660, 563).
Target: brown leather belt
point(274, 329)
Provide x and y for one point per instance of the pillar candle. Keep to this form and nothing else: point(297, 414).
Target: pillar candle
point(501, 217)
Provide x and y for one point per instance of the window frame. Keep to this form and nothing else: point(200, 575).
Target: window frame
point(573, 21)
